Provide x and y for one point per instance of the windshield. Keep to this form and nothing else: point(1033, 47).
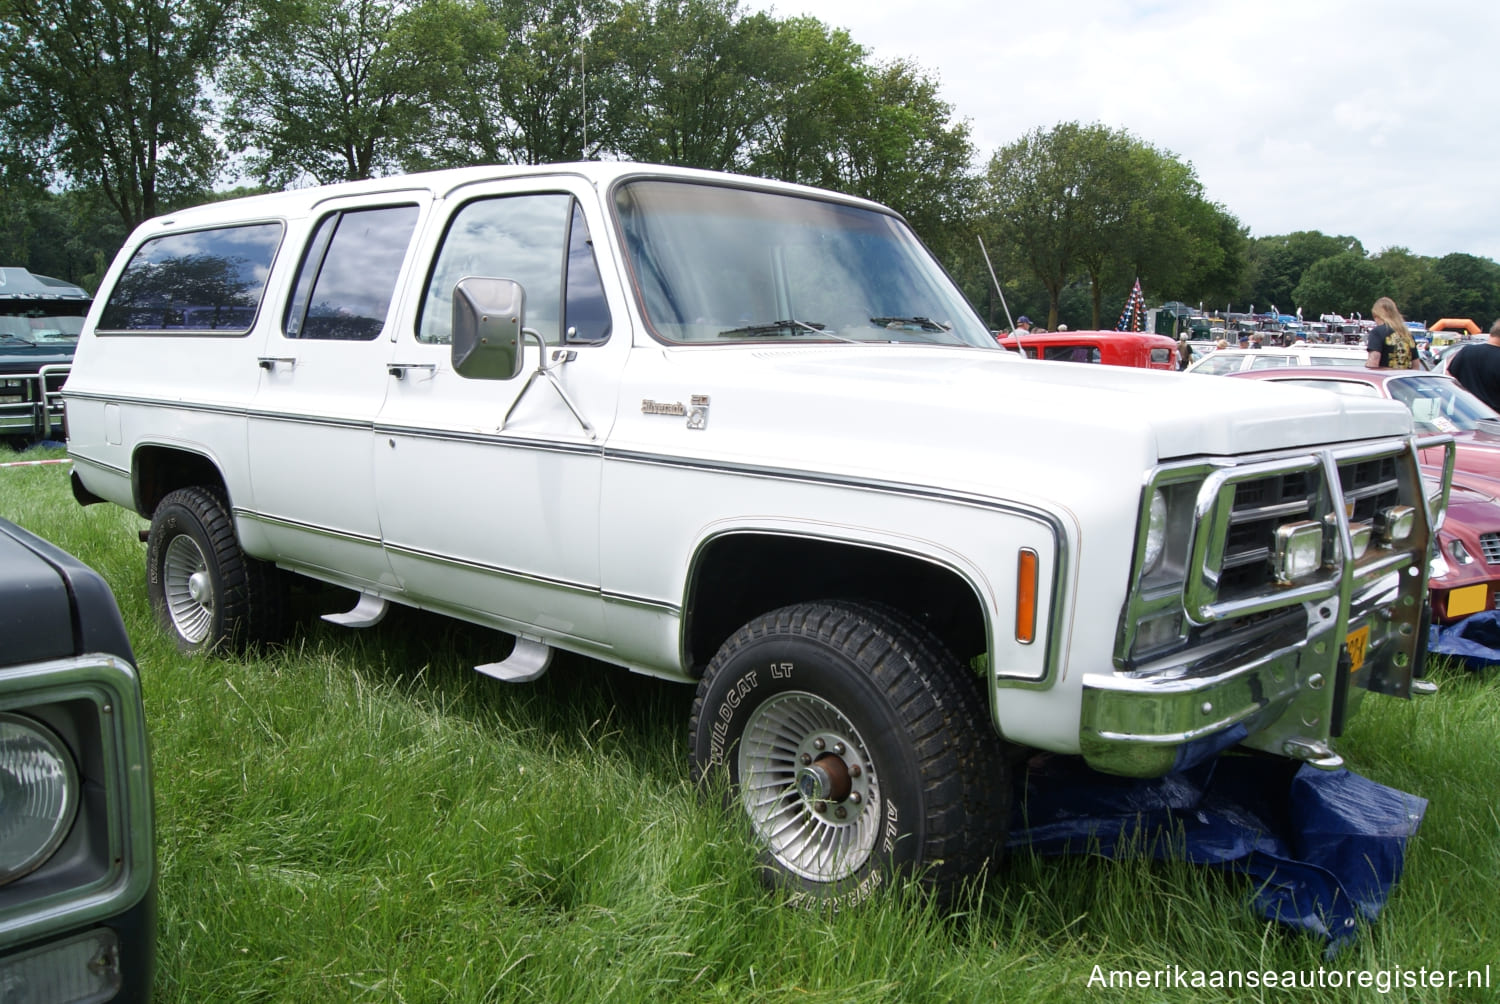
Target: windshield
point(41, 324)
point(1439, 405)
point(716, 265)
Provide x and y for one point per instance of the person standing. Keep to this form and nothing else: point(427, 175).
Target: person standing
point(1023, 326)
point(1477, 368)
point(1390, 345)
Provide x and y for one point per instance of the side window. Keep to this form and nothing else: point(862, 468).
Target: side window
point(520, 237)
point(201, 282)
point(1161, 355)
point(1074, 353)
point(348, 274)
point(585, 312)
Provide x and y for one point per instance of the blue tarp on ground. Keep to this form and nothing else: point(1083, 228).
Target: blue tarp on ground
point(1475, 640)
point(1323, 848)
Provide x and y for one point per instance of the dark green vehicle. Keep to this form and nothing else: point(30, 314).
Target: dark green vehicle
point(77, 852)
point(40, 318)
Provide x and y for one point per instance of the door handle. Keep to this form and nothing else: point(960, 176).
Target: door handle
point(269, 362)
point(398, 370)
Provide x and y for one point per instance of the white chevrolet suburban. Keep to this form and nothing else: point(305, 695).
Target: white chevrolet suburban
point(750, 436)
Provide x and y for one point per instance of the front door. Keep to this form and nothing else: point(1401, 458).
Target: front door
point(489, 489)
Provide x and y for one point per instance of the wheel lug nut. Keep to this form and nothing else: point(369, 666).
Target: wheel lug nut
point(854, 797)
point(820, 806)
point(854, 770)
point(805, 759)
point(840, 811)
point(818, 744)
point(838, 748)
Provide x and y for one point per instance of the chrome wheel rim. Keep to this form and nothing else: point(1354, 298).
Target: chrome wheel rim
point(188, 588)
point(809, 787)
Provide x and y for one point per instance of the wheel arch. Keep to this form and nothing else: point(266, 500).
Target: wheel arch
point(738, 574)
point(156, 470)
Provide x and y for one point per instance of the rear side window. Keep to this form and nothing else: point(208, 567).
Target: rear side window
point(201, 282)
point(1161, 355)
point(348, 274)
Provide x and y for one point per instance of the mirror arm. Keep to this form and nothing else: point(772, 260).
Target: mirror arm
point(545, 370)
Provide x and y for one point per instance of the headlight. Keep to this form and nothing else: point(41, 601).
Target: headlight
point(1156, 531)
point(38, 795)
point(1460, 553)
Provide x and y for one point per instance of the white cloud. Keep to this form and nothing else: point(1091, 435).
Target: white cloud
point(1371, 118)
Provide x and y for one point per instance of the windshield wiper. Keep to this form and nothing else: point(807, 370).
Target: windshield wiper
point(923, 323)
point(793, 327)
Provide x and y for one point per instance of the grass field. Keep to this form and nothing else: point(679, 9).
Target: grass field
point(360, 817)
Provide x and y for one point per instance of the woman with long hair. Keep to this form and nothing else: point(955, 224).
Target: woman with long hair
point(1390, 344)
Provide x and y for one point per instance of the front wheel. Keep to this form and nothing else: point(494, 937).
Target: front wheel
point(855, 746)
point(203, 587)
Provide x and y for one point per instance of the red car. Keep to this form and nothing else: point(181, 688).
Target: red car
point(1112, 348)
point(1466, 573)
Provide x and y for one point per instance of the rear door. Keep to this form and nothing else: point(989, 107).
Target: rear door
point(323, 380)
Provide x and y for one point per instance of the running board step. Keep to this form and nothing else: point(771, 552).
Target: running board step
point(369, 611)
point(527, 661)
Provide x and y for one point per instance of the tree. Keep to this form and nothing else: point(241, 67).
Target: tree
point(1032, 200)
point(318, 92)
point(903, 149)
point(1098, 201)
point(108, 95)
point(694, 77)
point(518, 81)
point(1279, 262)
point(1420, 291)
point(819, 82)
point(1475, 285)
point(1342, 284)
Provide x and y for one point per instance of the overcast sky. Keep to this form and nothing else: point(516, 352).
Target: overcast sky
point(1379, 119)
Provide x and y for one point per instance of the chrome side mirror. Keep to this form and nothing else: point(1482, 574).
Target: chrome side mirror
point(487, 318)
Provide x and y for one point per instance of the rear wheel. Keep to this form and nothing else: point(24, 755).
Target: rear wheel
point(203, 587)
point(856, 747)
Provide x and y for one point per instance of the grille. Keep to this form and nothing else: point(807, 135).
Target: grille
point(1260, 506)
point(1367, 485)
point(1490, 542)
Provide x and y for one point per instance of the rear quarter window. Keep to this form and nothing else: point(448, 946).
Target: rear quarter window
point(201, 282)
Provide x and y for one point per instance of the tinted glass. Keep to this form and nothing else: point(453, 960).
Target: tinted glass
point(1073, 353)
point(351, 273)
point(587, 315)
point(518, 237)
point(202, 281)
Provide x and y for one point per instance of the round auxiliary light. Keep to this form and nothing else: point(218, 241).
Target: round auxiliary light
point(38, 795)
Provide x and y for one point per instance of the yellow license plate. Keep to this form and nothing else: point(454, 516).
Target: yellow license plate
point(1468, 600)
point(1358, 644)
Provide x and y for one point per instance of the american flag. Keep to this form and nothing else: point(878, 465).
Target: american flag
point(1133, 318)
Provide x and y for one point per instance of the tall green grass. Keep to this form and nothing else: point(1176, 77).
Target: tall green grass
point(360, 817)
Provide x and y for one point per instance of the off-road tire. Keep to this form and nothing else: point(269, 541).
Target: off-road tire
point(878, 692)
point(204, 589)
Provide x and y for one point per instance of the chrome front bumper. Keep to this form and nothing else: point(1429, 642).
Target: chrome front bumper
point(1290, 668)
point(1289, 699)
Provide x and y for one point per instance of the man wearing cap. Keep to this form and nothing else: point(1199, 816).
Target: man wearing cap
point(1023, 325)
